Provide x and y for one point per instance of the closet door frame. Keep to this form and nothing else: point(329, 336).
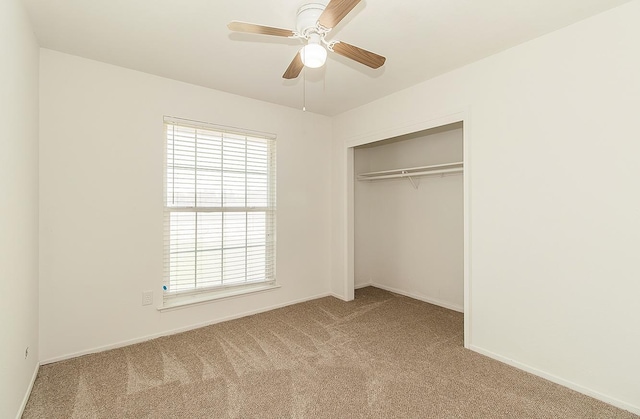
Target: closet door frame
point(461, 116)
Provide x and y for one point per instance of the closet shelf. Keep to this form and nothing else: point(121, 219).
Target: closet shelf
point(409, 172)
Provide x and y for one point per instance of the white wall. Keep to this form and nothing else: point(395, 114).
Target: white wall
point(101, 176)
point(18, 206)
point(554, 198)
point(411, 240)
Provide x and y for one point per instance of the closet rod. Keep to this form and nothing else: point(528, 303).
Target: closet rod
point(412, 174)
point(413, 169)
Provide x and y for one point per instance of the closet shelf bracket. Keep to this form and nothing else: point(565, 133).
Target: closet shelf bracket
point(413, 183)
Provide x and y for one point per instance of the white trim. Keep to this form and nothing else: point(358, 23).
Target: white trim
point(358, 286)
point(371, 137)
point(429, 300)
point(172, 120)
point(180, 329)
point(555, 379)
point(190, 300)
point(350, 265)
point(466, 197)
point(28, 393)
point(339, 297)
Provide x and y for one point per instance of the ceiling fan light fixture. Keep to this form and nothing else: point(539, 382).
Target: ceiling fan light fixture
point(313, 55)
point(314, 21)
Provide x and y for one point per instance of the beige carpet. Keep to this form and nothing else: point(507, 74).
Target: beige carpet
point(380, 356)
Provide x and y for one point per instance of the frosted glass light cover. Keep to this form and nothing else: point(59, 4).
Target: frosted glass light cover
point(313, 55)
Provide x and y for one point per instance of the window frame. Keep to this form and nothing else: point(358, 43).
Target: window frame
point(197, 295)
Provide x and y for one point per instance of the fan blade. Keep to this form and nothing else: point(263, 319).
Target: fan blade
point(360, 55)
point(294, 68)
point(259, 29)
point(335, 11)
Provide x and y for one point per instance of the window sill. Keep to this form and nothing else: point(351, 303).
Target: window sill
point(191, 300)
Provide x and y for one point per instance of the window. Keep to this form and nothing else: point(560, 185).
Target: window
point(219, 210)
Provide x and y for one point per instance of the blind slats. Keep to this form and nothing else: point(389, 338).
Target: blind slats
point(219, 209)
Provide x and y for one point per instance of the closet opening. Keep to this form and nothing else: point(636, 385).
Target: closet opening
point(409, 217)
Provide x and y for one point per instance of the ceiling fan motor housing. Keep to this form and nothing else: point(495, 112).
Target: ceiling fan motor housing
point(308, 16)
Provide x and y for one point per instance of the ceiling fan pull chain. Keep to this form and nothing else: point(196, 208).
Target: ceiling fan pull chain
point(304, 89)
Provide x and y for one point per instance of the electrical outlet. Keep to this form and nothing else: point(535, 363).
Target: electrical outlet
point(26, 353)
point(147, 298)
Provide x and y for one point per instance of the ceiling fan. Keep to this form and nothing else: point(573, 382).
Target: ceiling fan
point(313, 24)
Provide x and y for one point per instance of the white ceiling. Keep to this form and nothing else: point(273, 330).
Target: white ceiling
point(188, 40)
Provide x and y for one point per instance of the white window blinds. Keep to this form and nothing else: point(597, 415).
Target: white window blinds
point(219, 208)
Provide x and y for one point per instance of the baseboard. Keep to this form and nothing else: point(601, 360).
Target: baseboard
point(179, 330)
point(28, 393)
point(420, 297)
point(368, 284)
point(339, 297)
point(569, 384)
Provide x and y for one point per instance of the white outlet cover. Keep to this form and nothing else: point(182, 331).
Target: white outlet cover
point(147, 298)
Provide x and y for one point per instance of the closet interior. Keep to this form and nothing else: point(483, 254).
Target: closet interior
point(409, 215)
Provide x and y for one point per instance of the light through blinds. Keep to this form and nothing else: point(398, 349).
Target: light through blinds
point(219, 208)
